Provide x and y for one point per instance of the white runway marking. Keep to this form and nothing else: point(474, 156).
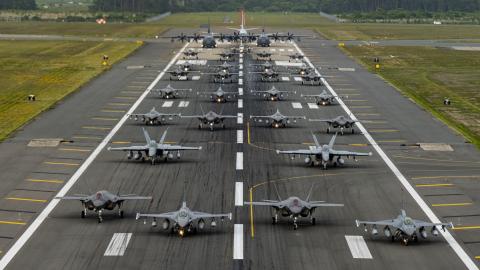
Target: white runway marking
point(238, 242)
point(183, 104)
point(358, 247)
point(239, 194)
point(285, 79)
point(193, 62)
point(239, 118)
point(288, 64)
point(240, 91)
point(118, 244)
point(240, 66)
point(240, 81)
point(195, 78)
point(272, 50)
point(423, 205)
point(312, 105)
point(297, 105)
point(241, 55)
point(239, 163)
point(281, 50)
point(10, 254)
point(167, 104)
point(290, 50)
point(297, 79)
point(240, 60)
point(240, 73)
point(240, 103)
point(240, 136)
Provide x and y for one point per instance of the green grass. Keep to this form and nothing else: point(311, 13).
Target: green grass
point(368, 31)
point(50, 70)
point(427, 75)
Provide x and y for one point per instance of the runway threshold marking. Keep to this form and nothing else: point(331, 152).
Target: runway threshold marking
point(25, 199)
point(312, 105)
point(239, 161)
point(464, 257)
point(52, 181)
point(358, 247)
point(118, 244)
point(240, 136)
point(15, 248)
point(238, 242)
point(238, 193)
point(167, 104)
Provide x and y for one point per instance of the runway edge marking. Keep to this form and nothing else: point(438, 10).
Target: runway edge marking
point(423, 205)
point(69, 184)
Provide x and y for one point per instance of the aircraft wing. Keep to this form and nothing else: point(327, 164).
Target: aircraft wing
point(388, 222)
point(297, 152)
point(198, 215)
point(169, 215)
point(79, 197)
point(128, 148)
point(348, 153)
point(227, 116)
point(421, 223)
point(271, 203)
point(159, 115)
point(320, 120)
point(177, 147)
point(323, 204)
point(133, 197)
point(296, 117)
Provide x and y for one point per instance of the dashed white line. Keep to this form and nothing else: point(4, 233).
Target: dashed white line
point(240, 73)
point(239, 194)
point(240, 81)
point(239, 163)
point(281, 50)
point(167, 104)
point(240, 60)
point(297, 105)
point(240, 136)
point(238, 242)
point(423, 205)
point(240, 91)
point(358, 247)
point(239, 118)
point(240, 66)
point(10, 254)
point(195, 78)
point(240, 103)
point(118, 244)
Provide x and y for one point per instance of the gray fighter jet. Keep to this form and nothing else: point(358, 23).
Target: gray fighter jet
point(219, 95)
point(210, 119)
point(179, 73)
point(269, 75)
point(277, 119)
point(341, 122)
point(224, 66)
point(294, 207)
point(190, 53)
point(227, 55)
point(183, 221)
point(323, 154)
point(324, 98)
point(169, 92)
point(153, 150)
point(405, 228)
point(302, 70)
point(222, 75)
point(311, 78)
point(296, 57)
point(153, 117)
point(273, 93)
point(264, 66)
point(185, 65)
point(103, 200)
point(264, 55)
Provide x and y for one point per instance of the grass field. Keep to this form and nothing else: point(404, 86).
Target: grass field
point(50, 70)
point(427, 75)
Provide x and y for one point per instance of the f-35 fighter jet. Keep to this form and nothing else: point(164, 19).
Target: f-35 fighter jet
point(340, 122)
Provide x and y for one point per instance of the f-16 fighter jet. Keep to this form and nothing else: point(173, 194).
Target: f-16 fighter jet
point(222, 76)
point(179, 73)
point(264, 55)
point(225, 67)
point(153, 117)
point(227, 55)
point(294, 208)
point(277, 119)
point(273, 93)
point(184, 220)
point(269, 75)
point(103, 200)
point(340, 122)
point(324, 98)
point(404, 228)
point(311, 78)
point(210, 119)
point(264, 66)
point(153, 150)
point(323, 154)
point(190, 53)
point(219, 95)
point(296, 57)
point(169, 92)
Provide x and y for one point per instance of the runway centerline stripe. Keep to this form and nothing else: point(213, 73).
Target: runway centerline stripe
point(167, 104)
point(239, 118)
point(408, 187)
point(240, 81)
point(240, 103)
point(240, 91)
point(118, 244)
point(358, 247)
point(239, 194)
point(15, 248)
point(240, 136)
point(238, 242)
point(239, 162)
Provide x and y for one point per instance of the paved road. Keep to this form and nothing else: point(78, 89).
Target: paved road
point(446, 181)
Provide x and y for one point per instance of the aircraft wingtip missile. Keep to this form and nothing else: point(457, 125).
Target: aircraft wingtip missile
point(357, 223)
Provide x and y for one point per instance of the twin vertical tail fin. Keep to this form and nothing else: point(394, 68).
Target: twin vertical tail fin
point(332, 141)
point(309, 193)
point(147, 137)
point(162, 139)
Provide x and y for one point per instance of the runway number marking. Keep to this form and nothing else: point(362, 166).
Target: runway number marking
point(239, 194)
point(297, 105)
point(118, 244)
point(408, 187)
point(239, 163)
point(167, 104)
point(238, 242)
point(358, 247)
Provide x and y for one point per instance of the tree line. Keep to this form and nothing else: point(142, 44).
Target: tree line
point(18, 4)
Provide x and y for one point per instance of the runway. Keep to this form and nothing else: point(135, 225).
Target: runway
point(232, 160)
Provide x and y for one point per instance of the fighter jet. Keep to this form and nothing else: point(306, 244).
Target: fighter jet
point(210, 119)
point(220, 95)
point(277, 119)
point(324, 98)
point(153, 150)
point(323, 154)
point(273, 93)
point(222, 76)
point(103, 200)
point(169, 92)
point(312, 78)
point(227, 55)
point(179, 73)
point(303, 70)
point(405, 228)
point(294, 207)
point(269, 75)
point(190, 53)
point(183, 221)
point(184, 65)
point(153, 117)
point(341, 122)
point(264, 66)
point(224, 66)
point(263, 55)
point(296, 57)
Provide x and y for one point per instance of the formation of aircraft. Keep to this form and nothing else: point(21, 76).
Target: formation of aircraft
point(277, 119)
